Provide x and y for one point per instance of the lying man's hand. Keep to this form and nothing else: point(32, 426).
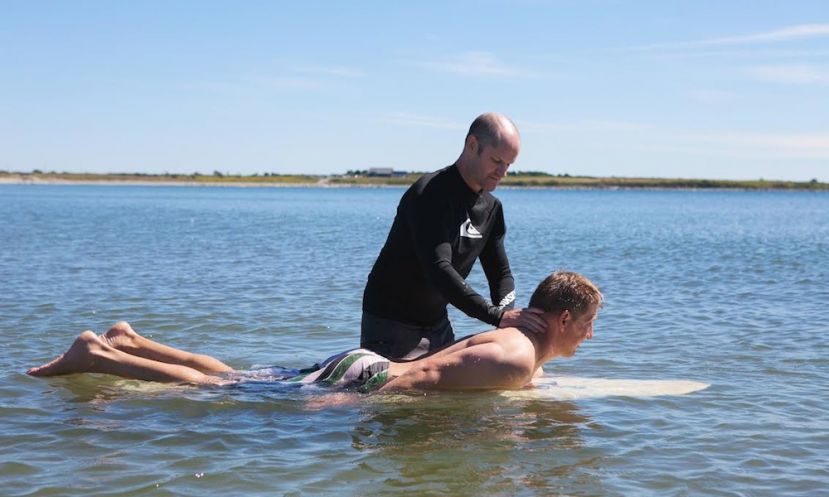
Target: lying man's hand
point(528, 319)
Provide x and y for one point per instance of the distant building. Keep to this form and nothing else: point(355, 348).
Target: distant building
point(381, 171)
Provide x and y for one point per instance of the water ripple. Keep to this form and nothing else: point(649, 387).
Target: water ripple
point(724, 288)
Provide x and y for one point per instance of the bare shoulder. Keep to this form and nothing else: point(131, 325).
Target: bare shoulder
point(508, 348)
point(511, 340)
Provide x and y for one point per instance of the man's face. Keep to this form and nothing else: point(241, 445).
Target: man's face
point(577, 330)
point(491, 163)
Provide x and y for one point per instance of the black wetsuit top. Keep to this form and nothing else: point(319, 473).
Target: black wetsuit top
point(441, 228)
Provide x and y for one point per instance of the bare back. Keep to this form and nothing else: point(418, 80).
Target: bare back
point(497, 359)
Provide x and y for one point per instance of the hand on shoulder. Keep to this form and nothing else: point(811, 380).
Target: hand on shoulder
point(528, 318)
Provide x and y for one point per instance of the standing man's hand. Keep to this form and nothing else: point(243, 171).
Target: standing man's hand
point(528, 318)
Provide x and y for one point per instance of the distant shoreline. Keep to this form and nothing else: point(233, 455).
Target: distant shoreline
point(519, 180)
point(137, 182)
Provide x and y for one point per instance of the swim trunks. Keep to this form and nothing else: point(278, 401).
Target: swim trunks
point(403, 341)
point(356, 369)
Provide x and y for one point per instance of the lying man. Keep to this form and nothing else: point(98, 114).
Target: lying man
point(500, 359)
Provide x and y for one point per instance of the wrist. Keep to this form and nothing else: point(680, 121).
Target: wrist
point(500, 311)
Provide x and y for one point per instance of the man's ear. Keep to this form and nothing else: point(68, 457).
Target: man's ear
point(471, 144)
point(565, 317)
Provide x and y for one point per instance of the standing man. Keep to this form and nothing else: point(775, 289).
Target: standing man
point(445, 221)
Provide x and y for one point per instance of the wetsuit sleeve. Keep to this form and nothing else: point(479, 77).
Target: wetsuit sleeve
point(432, 239)
point(496, 266)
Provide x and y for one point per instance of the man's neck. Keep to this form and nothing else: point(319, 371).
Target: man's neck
point(543, 345)
point(463, 170)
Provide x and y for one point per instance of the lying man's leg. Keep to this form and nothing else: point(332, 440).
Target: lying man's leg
point(91, 354)
point(122, 337)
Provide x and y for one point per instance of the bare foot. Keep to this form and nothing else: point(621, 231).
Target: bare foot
point(121, 336)
point(80, 357)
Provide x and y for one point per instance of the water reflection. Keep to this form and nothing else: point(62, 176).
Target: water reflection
point(98, 390)
point(477, 444)
point(443, 419)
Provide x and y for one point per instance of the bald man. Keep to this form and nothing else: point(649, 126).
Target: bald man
point(445, 222)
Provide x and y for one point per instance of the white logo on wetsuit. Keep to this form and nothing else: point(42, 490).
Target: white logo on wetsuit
point(508, 299)
point(469, 231)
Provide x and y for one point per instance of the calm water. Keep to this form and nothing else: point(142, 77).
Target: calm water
point(728, 288)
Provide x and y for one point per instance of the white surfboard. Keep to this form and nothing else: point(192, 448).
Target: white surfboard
point(572, 387)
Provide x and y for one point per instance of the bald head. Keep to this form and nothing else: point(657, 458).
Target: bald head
point(493, 129)
point(491, 145)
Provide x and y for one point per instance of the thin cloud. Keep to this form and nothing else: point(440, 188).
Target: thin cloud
point(420, 121)
point(781, 145)
point(711, 96)
point(248, 83)
point(791, 74)
point(789, 33)
point(307, 77)
point(301, 78)
point(291, 82)
point(474, 64)
point(585, 125)
point(645, 136)
point(335, 71)
point(746, 52)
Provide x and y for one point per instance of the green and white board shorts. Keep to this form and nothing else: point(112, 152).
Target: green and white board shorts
point(357, 369)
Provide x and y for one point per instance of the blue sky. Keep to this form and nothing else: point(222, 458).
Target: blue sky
point(693, 89)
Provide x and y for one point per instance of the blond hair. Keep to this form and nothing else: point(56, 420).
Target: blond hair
point(566, 290)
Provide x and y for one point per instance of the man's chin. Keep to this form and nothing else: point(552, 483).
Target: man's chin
point(490, 185)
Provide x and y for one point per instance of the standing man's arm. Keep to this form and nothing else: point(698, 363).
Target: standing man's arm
point(432, 242)
point(502, 284)
point(457, 291)
point(432, 237)
point(496, 266)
